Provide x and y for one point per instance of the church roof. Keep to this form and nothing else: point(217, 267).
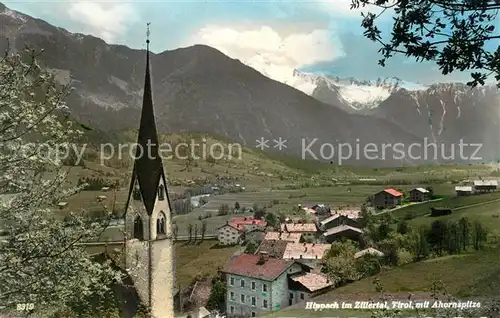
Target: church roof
point(148, 168)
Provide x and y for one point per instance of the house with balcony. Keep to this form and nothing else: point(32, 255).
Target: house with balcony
point(419, 195)
point(228, 234)
point(342, 231)
point(341, 218)
point(386, 199)
point(258, 284)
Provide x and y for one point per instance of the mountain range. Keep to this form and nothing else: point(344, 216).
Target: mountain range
point(200, 89)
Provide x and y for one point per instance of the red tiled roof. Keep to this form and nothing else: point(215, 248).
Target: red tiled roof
point(248, 265)
point(305, 250)
point(299, 227)
point(393, 192)
point(240, 221)
point(231, 225)
point(284, 236)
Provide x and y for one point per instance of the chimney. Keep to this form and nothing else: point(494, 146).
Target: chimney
point(314, 244)
point(263, 256)
point(305, 250)
point(316, 256)
point(301, 256)
point(227, 222)
point(244, 219)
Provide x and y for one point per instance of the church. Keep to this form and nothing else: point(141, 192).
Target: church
point(149, 247)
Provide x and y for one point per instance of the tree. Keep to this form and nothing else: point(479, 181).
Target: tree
point(479, 235)
point(223, 209)
point(251, 247)
point(190, 231)
point(271, 219)
point(403, 227)
point(258, 211)
point(195, 232)
point(203, 229)
point(465, 232)
point(454, 34)
point(437, 235)
point(218, 292)
point(41, 261)
point(237, 206)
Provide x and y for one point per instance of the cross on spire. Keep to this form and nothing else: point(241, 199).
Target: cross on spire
point(148, 32)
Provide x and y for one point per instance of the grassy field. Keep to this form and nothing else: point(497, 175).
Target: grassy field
point(191, 259)
point(487, 213)
point(451, 202)
point(202, 259)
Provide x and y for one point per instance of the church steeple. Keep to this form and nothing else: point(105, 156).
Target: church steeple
point(148, 168)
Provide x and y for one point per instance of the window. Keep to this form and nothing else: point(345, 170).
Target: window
point(242, 298)
point(161, 192)
point(231, 281)
point(232, 295)
point(253, 301)
point(232, 309)
point(253, 285)
point(253, 314)
point(264, 287)
point(242, 283)
point(138, 229)
point(302, 296)
point(264, 303)
point(291, 295)
point(160, 223)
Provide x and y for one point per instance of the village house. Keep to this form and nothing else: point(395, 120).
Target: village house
point(256, 235)
point(228, 234)
point(419, 195)
point(463, 190)
point(307, 230)
point(258, 284)
point(349, 217)
point(342, 231)
point(387, 199)
point(370, 251)
point(248, 223)
point(272, 248)
point(303, 286)
point(481, 186)
point(284, 236)
point(309, 253)
point(315, 209)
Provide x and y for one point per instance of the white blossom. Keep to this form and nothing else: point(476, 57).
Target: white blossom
point(40, 262)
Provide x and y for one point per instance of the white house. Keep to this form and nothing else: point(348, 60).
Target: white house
point(229, 234)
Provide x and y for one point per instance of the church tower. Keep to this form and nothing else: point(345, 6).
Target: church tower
point(148, 219)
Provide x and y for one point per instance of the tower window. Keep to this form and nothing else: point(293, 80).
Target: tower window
point(160, 223)
point(138, 228)
point(161, 192)
point(137, 192)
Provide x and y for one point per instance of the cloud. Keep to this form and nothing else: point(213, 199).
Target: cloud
point(292, 50)
point(105, 20)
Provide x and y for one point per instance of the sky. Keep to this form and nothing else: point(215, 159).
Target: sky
point(323, 37)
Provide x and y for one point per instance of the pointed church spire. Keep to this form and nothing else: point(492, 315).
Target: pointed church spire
point(148, 164)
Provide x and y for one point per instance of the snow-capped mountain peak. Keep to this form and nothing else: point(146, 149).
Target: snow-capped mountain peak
point(351, 93)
